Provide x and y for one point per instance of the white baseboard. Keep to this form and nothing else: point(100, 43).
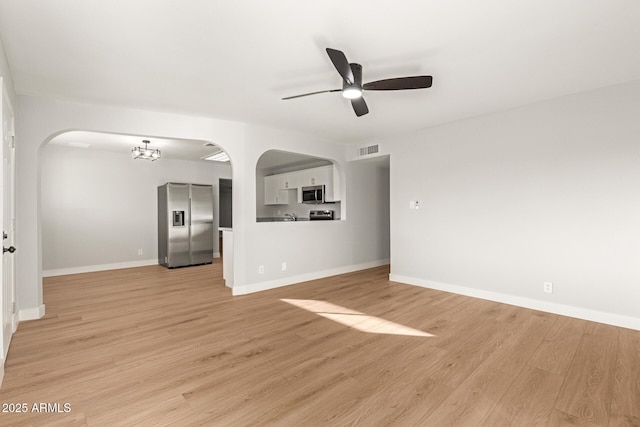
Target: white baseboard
point(549, 307)
point(216, 254)
point(292, 280)
point(31, 313)
point(99, 267)
point(1, 371)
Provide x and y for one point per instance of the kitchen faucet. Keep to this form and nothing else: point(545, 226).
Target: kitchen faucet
point(293, 216)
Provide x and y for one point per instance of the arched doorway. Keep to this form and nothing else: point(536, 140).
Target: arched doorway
point(98, 204)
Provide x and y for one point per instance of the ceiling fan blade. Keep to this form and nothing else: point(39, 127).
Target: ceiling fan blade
point(359, 106)
point(342, 65)
point(312, 93)
point(400, 83)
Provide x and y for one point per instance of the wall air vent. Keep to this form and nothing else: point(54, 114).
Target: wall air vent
point(365, 151)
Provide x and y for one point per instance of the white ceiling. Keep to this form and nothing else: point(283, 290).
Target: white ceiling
point(236, 59)
point(181, 149)
point(276, 161)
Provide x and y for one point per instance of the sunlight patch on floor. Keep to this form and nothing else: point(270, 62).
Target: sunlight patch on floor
point(355, 319)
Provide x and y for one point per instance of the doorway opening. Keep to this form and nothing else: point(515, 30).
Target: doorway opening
point(8, 309)
point(225, 208)
point(99, 206)
point(371, 203)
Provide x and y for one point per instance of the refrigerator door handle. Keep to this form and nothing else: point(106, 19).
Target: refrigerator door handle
point(190, 234)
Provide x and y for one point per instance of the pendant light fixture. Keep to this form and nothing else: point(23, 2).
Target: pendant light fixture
point(145, 153)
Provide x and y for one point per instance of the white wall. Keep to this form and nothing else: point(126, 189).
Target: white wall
point(547, 192)
point(98, 207)
point(262, 210)
point(5, 74)
point(310, 249)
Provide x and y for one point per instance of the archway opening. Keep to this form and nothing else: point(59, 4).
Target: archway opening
point(99, 204)
point(283, 180)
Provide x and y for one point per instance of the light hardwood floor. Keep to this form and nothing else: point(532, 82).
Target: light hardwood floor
point(151, 346)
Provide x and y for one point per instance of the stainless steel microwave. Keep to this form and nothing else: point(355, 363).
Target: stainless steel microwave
point(313, 194)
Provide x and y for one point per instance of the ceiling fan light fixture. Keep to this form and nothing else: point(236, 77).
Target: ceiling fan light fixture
point(352, 92)
point(351, 73)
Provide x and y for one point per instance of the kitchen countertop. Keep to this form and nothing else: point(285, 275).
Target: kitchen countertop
point(279, 219)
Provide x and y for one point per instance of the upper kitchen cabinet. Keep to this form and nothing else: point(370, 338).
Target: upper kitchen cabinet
point(289, 181)
point(276, 187)
point(274, 190)
point(314, 176)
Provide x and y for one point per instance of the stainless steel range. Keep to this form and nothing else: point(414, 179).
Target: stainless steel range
point(321, 215)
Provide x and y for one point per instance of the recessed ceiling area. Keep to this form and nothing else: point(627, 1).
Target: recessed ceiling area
point(179, 149)
point(236, 60)
point(273, 161)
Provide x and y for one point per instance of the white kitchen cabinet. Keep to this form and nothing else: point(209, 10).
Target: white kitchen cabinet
point(274, 194)
point(276, 187)
point(290, 180)
point(332, 187)
point(315, 176)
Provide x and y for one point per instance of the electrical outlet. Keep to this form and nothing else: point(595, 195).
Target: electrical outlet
point(261, 269)
point(548, 287)
point(140, 252)
point(284, 266)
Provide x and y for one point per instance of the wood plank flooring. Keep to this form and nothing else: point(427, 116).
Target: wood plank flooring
point(151, 347)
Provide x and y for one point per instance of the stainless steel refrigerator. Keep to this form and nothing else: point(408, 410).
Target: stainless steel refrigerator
point(185, 224)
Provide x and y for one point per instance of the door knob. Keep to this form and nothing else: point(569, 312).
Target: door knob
point(10, 249)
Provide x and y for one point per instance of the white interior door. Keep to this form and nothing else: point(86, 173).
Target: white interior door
point(7, 211)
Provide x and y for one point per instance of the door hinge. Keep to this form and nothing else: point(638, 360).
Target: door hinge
point(14, 308)
point(13, 141)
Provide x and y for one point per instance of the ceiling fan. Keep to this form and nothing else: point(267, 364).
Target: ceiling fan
point(352, 86)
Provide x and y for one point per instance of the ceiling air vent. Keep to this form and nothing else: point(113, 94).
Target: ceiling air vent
point(371, 149)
